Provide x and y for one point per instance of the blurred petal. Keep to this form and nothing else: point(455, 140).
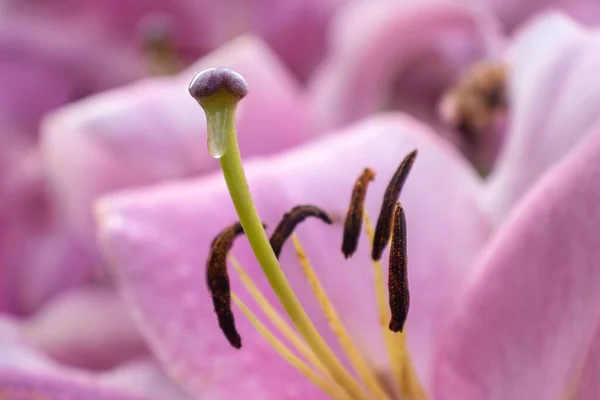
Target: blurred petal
point(553, 95)
point(586, 385)
point(68, 50)
point(79, 328)
point(526, 324)
point(397, 55)
point(39, 257)
point(142, 378)
point(295, 30)
point(158, 240)
point(512, 13)
point(62, 49)
point(26, 386)
point(153, 130)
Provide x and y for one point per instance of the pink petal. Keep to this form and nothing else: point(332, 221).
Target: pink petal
point(153, 130)
point(553, 97)
point(65, 51)
point(512, 13)
point(39, 257)
point(69, 50)
point(141, 378)
point(78, 327)
point(586, 385)
point(19, 385)
point(397, 55)
point(158, 240)
point(145, 378)
point(295, 29)
point(21, 106)
point(527, 321)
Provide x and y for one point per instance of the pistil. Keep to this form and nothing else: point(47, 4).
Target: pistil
point(218, 90)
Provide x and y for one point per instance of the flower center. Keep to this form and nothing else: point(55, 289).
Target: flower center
point(217, 91)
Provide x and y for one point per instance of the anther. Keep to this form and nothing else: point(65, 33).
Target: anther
point(398, 274)
point(354, 217)
point(218, 282)
point(289, 222)
point(383, 228)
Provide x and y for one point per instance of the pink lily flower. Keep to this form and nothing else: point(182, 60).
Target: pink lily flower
point(500, 307)
point(536, 330)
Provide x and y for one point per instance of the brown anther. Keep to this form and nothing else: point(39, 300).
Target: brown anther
point(354, 217)
point(398, 274)
point(289, 222)
point(383, 228)
point(473, 103)
point(218, 282)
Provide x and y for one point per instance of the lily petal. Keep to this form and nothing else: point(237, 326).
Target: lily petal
point(39, 375)
point(79, 326)
point(527, 321)
point(153, 131)
point(397, 55)
point(553, 92)
point(39, 256)
point(158, 241)
point(512, 13)
point(586, 385)
point(143, 377)
point(26, 386)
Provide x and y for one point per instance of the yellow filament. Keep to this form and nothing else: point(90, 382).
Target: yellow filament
point(357, 361)
point(405, 377)
point(275, 317)
point(324, 383)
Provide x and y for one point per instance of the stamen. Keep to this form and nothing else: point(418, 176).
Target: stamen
point(392, 192)
point(354, 217)
point(398, 275)
point(324, 383)
point(276, 319)
point(289, 222)
point(405, 377)
point(218, 282)
point(358, 362)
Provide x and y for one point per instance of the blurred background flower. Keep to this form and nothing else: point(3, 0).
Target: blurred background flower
point(94, 101)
